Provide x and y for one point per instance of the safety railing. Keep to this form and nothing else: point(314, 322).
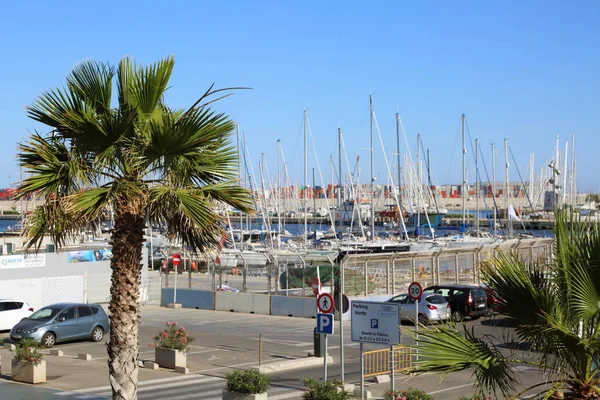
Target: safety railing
point(379, 362)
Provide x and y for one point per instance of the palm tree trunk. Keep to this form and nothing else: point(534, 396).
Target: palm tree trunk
point(123, 347)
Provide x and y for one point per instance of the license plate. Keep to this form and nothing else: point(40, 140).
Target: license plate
point(16, 336)
point(481, 305)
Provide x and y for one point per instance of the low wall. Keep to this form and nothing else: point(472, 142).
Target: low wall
point(203, 300)
point(243, 302)
point(294, 306)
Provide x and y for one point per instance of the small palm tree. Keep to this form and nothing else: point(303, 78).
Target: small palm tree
point(555, 307)
point(138, 159)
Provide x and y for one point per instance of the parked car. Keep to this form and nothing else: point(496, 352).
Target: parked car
point(63, 322)
point(432, 307)
point(493, 303)
point(11, 312)
point(465, 300)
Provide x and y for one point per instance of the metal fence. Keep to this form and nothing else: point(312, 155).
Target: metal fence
point(391, 273)
point(292, 274)
point(379, 362)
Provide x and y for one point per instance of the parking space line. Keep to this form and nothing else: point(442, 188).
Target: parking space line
point(451, 388)
point(190, 382)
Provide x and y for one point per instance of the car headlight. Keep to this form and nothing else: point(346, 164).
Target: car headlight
point(31, 330)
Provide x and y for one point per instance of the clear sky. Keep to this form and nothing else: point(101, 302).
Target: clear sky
point(521, 70)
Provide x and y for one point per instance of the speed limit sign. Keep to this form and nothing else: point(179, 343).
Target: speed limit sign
point(415, 291)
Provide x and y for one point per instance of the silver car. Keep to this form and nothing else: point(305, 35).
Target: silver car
point(432, 307)
point(63, 322)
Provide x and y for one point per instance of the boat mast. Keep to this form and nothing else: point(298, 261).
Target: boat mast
point(314, 201)
point(508, 220)
point(305, 183)
point(279, 193)
point(237, 132)
point(419, 184)
point(573, 185)
point(246, 179)
point(339, 194)
point(477, 184)
point(564, 193)
point(399, 170)
point(531, 179)
point(331, 168)
point(464, 180)
point(372, 170)
point(494, 185)
point(264, 207)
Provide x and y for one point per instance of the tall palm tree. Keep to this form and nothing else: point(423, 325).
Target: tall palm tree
point(555, 308)
point(147, 163)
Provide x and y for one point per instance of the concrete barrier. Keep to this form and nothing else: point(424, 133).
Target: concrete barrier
point(200, 299)
point(242, 302)
point(305, 307)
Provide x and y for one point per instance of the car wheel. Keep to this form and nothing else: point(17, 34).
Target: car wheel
point(48, 340)
point(423, 320)
point(97, 334)
point(457, 316)
point(475, 317)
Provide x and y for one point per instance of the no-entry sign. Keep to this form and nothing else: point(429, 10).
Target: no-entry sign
point(176, 259)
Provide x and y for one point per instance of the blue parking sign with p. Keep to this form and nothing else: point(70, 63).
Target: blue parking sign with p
point(325, 323)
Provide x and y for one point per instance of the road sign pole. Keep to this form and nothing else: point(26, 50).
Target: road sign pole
point(362, 373)
point(325, 361)
point(393, 385)
point(341, 286)
point(175, 290)
point(417, 327)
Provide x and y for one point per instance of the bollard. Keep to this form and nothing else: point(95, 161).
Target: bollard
point(259, 349)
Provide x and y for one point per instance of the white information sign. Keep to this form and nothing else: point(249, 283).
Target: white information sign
point(374, 322)
point(22, 261)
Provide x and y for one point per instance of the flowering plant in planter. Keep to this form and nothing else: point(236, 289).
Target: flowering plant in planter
point(173, 337)
point(28, 350)
point(406, 394)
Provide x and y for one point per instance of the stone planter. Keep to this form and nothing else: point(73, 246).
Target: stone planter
point(170, 358)
point(24, 371)
point(243, 396)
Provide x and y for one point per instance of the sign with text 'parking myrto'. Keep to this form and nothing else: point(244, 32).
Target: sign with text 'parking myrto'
point(374, 322)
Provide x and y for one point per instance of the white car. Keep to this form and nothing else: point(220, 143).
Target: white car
point(13, 311)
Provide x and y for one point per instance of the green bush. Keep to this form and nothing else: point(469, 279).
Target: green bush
point(248, 382)
point(407, 394)
point(29, 350)
point(328, 390)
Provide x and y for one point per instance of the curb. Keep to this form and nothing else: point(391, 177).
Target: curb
point(294, 364)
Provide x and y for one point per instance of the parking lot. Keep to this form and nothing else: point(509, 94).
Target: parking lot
point(225, 341)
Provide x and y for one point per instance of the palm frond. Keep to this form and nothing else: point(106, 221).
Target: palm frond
point(92, 82)
point(444, 349)
point(145, 87)
point(187, 215)
point(52, 166)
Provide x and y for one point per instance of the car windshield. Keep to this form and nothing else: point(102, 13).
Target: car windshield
point(45, 314)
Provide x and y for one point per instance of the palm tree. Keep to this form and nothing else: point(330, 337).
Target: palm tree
point(555, 308)
point(148, 163)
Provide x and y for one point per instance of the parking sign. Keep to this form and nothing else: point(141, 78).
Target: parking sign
point(325, 323)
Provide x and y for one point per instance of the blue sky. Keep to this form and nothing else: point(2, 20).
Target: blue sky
point(525, 71)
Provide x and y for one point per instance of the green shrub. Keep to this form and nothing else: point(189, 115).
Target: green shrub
point(407, 394)
point(29, 350)
point(248, 382)
point(328, 390)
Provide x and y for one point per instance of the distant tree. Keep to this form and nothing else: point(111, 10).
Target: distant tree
point(140, 159)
